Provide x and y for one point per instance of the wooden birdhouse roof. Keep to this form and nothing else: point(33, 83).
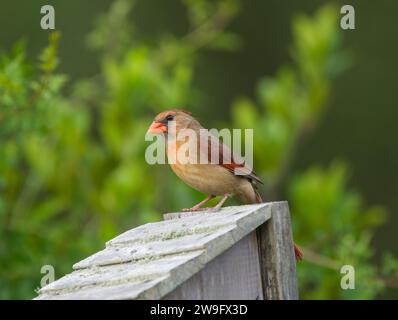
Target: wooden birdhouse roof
point(150, 261)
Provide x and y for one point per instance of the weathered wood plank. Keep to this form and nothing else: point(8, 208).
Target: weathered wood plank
point(150, 261)
point(96, 279)
point(278, 264)
point(155, 249)
point(235, 274)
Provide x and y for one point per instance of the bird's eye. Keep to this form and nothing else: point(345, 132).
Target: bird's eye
point(170, 117)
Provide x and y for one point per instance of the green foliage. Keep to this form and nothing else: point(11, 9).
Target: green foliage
point(332, 221)
point(294, 99)
point(72, 168)
point(329, 220)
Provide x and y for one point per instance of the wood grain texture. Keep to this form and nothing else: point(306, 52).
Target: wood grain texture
point(150, 261)
point(241, 252)
point(278, 264)
point(235, 274)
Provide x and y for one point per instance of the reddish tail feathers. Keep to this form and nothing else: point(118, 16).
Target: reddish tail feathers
point(298, 253)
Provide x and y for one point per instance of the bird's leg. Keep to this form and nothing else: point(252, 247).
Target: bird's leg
point(219, 205)
point(198, 206)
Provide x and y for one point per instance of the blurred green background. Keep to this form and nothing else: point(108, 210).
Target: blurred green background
point(74, 107)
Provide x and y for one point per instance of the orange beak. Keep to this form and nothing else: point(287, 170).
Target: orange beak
point(157, 128)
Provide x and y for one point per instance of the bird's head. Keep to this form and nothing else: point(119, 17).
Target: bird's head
point(162, 121)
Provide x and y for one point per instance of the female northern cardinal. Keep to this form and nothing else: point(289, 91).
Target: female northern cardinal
point(227, 177)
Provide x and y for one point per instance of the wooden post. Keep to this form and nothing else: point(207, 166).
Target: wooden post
point(241, 252)
point(277, 259)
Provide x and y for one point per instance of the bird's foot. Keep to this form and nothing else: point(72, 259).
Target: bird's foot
point(198, 207)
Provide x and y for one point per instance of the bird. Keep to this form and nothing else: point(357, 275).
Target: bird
point(228, 176)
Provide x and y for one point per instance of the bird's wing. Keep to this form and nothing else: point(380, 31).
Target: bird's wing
point(227, 159)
